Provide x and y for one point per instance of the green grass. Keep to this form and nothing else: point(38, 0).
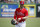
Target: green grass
point(30, 22)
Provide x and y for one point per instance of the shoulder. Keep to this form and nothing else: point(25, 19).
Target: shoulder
point(17, 8)
point(25, 9)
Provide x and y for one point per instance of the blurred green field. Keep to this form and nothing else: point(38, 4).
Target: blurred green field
point(30, 22)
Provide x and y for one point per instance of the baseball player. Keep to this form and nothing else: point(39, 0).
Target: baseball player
point(21, 14)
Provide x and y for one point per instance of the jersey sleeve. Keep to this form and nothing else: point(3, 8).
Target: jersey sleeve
point(15, 15)
point(26, 13)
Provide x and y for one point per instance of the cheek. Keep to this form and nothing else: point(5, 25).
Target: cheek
point(21, 5)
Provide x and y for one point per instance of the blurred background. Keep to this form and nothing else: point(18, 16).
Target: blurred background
point(8, 7)
point(17, 1)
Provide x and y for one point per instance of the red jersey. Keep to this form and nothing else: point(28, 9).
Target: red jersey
point(19, 13)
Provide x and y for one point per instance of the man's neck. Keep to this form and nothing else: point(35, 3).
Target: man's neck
point(21, 8)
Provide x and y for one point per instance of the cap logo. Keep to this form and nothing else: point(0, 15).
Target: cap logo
point(22, 2)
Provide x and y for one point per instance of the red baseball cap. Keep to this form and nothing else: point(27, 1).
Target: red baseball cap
point(21, 2)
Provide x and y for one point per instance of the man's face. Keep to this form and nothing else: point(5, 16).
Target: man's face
point(21, 5)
